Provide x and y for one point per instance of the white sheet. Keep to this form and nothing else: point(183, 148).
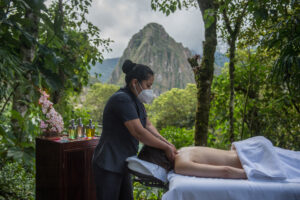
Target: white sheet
point(194, 188)
point(147, 168)
point(264, 162)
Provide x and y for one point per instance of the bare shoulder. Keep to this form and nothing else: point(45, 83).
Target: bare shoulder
point(186, 149)
point(192, 149)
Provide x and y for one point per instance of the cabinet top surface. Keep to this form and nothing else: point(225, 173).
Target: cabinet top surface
point(62, 142)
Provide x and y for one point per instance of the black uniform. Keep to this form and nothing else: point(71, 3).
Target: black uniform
point(115, 145)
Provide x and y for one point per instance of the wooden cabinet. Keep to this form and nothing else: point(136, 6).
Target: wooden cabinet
point(64, 170)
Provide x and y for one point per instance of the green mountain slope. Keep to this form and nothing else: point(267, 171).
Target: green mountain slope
point(105, 69)
point(152, 46)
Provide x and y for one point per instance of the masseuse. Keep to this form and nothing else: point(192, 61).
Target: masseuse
point(125, 123)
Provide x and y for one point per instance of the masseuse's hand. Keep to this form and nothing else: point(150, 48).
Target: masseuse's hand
point(171, 152)
point(172, 145)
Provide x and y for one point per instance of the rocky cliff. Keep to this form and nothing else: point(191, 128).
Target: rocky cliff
point(153, 46)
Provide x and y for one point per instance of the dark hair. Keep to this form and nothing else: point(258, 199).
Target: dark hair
point(156, 156)
point(138, 71)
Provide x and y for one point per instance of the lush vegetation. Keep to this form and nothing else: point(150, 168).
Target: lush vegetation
point(51, 48)
point(262, 107)
point(174, 108)
point(96, 99)
point(41, 47)
point(16, 183)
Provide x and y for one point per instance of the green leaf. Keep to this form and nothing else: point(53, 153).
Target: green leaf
point(15, 152)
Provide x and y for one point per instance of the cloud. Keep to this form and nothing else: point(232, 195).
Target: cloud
point(119, 20)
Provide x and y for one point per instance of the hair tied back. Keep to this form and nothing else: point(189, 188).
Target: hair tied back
point(127, 66)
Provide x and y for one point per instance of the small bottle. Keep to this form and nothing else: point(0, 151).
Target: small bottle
point(93, 131)
point(89, 130)
point(72, 130)
point(80, 130)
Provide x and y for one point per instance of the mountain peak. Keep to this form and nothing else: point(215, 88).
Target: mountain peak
point(154, 29)
point(154, 26)
point(153, 46)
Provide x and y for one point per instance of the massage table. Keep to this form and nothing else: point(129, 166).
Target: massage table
point(273, 173)
point(195, 188)
point(179, 187)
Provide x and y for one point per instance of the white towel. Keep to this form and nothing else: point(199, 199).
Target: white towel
point(264, 162)
point(147, 168)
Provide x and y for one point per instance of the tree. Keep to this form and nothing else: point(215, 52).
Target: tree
point(175, 107)
point(203, 72)
point(96, 99)
point(45, 53)
point(233, 14)
point(40, 47)
point(284, 35)
point(262, 107)
point(274, 25)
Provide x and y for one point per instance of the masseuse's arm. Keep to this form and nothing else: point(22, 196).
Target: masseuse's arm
point(142, 134)
point(154, 131)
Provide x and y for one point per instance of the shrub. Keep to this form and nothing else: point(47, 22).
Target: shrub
point(16, 183)
point(141, 192)
point(175, 107)
point(180, 137)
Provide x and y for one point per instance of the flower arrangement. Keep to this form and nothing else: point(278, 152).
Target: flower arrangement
point(53, 122)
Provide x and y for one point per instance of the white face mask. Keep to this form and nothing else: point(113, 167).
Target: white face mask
point(146, 95)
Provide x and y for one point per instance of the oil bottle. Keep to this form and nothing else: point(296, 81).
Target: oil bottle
point(89, 130)
point(80, 129)
point(72, 130)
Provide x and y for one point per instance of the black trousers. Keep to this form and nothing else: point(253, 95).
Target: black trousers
point(111, 185)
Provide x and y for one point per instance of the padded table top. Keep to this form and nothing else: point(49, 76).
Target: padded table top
point(195, 188)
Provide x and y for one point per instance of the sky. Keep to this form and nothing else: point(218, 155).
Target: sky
point(119, 20)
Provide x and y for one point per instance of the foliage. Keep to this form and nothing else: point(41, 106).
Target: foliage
point(234, 17)
point(61, 44)
point(16, 183)
point(175, 107)
point(82, 113)
point(274, 25)
point(67, 43)
point(75, 43)
point(170, 6)
point(96, 98)
point(180, 137)
point(20, 147)
point(141, 192)
point(284, 34)
point(262, 107)
point(62, 51)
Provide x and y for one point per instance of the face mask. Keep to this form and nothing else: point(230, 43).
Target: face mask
point(146, 96)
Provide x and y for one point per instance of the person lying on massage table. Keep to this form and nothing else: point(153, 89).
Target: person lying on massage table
point(209, 162)
point(198, 161)
point(255, 159)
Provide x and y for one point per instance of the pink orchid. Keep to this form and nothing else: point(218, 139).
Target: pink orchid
point(54, 121)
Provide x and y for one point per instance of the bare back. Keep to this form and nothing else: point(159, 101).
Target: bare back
point(208, 162)
point(211, 156)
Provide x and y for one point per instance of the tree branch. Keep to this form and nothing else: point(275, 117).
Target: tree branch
point(292, 99)
point(240, 20)
point(7, 100)
point(227, 22)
